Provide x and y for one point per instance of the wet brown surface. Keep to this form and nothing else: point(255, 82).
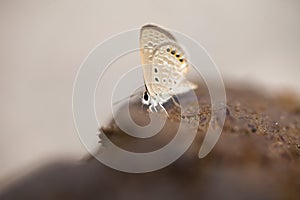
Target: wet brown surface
point(256, 157)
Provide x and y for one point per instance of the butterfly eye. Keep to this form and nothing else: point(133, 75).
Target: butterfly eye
point(146, 97)
point(173, 52)
point(181, 60)
point(177, 55)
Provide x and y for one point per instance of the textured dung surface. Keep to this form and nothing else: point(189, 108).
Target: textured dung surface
point(256, 157)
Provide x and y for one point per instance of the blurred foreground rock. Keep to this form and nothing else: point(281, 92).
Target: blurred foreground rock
point(256, 157)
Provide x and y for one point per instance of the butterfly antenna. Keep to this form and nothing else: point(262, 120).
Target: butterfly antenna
point(125, 98)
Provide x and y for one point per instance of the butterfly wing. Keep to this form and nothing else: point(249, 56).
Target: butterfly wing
point(168, 70)
point(151, 37)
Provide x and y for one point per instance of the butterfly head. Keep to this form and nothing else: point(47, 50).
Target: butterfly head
point(146, 99)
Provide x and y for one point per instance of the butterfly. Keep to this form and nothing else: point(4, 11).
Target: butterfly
point(164, 67)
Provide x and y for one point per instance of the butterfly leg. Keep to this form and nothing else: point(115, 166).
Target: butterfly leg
point(152, 108)
point(175, 102)
point(161, 106)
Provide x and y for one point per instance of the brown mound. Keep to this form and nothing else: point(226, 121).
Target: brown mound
point(256, 157)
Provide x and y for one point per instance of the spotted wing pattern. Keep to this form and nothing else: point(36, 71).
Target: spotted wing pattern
point(169, 67)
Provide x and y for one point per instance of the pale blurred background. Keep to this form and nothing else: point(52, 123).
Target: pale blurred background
point(43, 44)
